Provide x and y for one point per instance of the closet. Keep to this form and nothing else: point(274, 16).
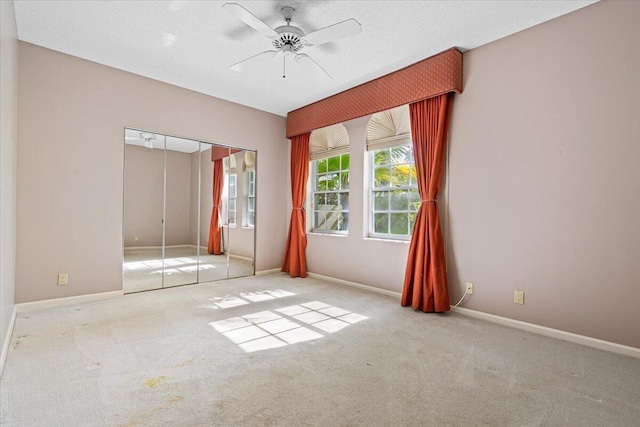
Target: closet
point(189, 211)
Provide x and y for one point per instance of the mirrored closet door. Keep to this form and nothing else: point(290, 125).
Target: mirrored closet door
point(189, 211)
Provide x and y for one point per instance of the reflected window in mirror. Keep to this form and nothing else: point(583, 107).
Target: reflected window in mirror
point(251, 197)
point(233, 195)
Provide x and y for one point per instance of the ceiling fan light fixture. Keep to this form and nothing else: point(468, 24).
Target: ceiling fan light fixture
point(291, 40)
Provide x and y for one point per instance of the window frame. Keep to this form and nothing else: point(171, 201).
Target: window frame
point(412, 187)
point(314, 191)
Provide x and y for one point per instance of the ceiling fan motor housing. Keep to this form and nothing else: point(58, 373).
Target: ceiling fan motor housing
point(289, 35)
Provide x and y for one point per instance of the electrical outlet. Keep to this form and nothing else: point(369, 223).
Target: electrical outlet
point(63, 279)
point(518, 297)
point(468, 287)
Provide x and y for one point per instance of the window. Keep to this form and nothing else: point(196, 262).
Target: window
point(331, 194)
point(394, 192)
point(251, 197)
point(233, 195)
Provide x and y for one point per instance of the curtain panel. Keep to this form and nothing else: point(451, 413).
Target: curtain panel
point(295, 261)
point(215, 236)
point(425, 281)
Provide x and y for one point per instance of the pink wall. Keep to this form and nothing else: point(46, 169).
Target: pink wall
point(544, 176)
point(72, 113)
point(544, 184)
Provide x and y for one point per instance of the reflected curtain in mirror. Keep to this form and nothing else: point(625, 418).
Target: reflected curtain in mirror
point(295, 262)
point(425, 282)
point(215, 239)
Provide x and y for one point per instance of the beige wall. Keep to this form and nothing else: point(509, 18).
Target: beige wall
point(8, 160)
point(70, 170)
point(544, 184)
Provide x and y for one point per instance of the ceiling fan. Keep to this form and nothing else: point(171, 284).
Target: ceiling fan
point(290, 40)
point(147, 139)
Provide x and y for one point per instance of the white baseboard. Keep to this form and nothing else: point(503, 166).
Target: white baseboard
point(265, 272)
point(612, 347)
point(243, 258)
point(356, 285)
point(7, 341)
point(60, 302)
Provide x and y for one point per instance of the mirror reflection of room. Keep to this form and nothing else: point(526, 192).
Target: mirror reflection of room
point(184, 222)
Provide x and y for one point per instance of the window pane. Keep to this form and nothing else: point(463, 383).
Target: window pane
point(321, 183)
point(381, 177)
point(414, 200)
point(381, 223)
point(399, 200)
point(232, 217)
point(252, 189)
point(399, 223)
point(344, 222)
point(380, 200)
point(344, 201)
point(333, 219)
point(344, 181)
point(334, 163)
point(252, 202)
point(333, 181)
point(381, 157)
point(332, 199)
point(400, 175)
point(318, 220)
point(319, 201)
point(401, 154)
point(232, 204)
point(344, 159)
point(413, 175)
point(412, 222)
point(252, 218)
point(322, 165)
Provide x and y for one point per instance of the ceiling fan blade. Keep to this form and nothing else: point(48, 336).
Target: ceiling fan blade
point(239, 12)
point(239, 66)
point(343, 29)
point(306, 61)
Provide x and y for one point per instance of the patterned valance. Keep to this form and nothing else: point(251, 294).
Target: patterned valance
point(430, 77)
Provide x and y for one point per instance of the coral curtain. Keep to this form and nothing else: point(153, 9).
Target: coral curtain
point(425, 280)
point(215, 238)
point(295, 261)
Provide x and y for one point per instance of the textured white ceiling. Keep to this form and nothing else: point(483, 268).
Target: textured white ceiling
point(192, 43)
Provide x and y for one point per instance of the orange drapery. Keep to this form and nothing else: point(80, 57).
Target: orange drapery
point(215, 240)
point(295, 261)
point(425, 280)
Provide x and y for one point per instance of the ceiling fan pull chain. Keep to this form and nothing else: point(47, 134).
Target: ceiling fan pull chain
point(284, 66)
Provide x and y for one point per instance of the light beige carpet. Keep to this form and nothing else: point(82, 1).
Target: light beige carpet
point(276, 351)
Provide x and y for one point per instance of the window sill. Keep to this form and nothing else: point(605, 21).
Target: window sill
point(381, 239)
point(320, 233)
point(249, 227)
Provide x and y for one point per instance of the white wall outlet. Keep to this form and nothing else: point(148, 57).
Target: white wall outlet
point(63, 279)
point(468, 287)
point(518, 297)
